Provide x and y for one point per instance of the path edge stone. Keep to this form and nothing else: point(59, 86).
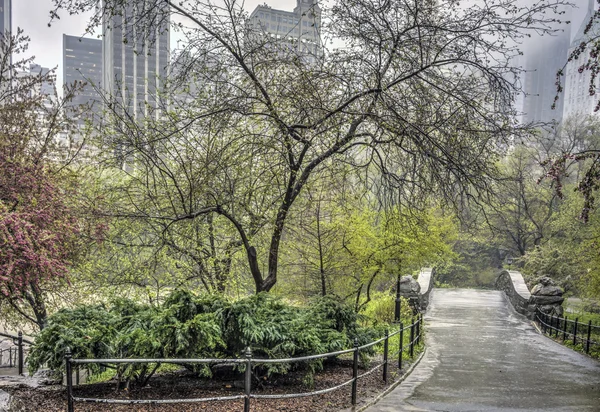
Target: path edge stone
point(5, 401)
point(392, 386)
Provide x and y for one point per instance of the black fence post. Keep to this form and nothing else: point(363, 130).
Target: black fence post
point(20, 349)
point(575, 331)
point(398, 301)
point(385, 355)
point(412, 337)
point(69, 373)
point(565, 328)
point(401, 346)
point(355, 372)
point(589, 335)
point(557, 328)
point(417, 331)
point(248, 378)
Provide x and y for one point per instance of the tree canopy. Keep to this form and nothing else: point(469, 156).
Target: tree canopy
point(416, 99)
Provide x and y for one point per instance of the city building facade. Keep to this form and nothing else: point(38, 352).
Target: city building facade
point(539, 80)
point(5, 16)
point(5, 27)
point(135, 57)
point(297, 30)
point(82, 62)
point(577, 98)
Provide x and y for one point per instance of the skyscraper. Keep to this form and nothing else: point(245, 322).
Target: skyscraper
point(5, 16)
point(542, 60)
point(135, 55)
point(298, 30)
point(82, 61)
point(5, 27)
point(578, 100)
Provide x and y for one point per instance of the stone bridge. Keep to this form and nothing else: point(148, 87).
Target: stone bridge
point(483, 355)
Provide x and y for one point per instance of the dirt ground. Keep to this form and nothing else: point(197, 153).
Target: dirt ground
point(183, 385)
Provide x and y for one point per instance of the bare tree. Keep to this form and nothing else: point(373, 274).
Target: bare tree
point(418, 90)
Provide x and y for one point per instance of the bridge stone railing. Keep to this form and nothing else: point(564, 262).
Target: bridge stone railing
point(416, 291)
point(425, 280)
point(513, 284)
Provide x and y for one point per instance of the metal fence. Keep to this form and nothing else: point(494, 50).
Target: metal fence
point(15, 355)
point(573, 331)
point(415, 330)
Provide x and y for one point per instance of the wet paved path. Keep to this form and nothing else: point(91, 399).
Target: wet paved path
point(483, 356)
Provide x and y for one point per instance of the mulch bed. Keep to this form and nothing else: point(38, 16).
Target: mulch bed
point(179, 385)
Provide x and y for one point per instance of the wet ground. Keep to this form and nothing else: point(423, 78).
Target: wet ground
point(483, 356)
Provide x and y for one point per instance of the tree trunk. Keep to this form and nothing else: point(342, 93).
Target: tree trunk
point(319, 240)
point(35, 298)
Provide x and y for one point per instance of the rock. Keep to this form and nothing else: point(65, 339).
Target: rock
point(546, 290)
point(547, 309)
point(5, 399)
point(552, 310)
point(536, 289)
point(48, 377)
point(410, 289)
point(545, 281)
point(558, 311)
point(546, 300)
point(408, 285)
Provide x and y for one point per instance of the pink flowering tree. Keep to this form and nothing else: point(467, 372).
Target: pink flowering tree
point(38, 228)
point(37, 237)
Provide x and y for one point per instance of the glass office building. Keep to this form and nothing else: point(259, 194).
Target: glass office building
point(135, 56)
point(82, 62)
point(5, 17)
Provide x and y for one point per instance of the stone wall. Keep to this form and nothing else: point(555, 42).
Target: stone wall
point(417, 291)
point(425, 280)
point(513, 284)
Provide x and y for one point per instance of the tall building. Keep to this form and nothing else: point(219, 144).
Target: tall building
point(5, 27)
point(135, 55)
point(82, 62)
point(46, 87)
point(577, 98)
point(542, 60)
point(5, 16)
point(298, 30)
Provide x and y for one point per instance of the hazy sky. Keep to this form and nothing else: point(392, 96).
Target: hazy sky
point(46, 42)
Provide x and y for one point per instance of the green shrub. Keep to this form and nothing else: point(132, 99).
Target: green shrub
point(186, 325)
point(381, 309)
point(89, 331)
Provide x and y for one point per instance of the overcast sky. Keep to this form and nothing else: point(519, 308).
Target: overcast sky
point(46, 42)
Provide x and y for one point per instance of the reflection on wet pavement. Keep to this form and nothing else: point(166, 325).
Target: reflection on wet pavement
point(483, 356)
